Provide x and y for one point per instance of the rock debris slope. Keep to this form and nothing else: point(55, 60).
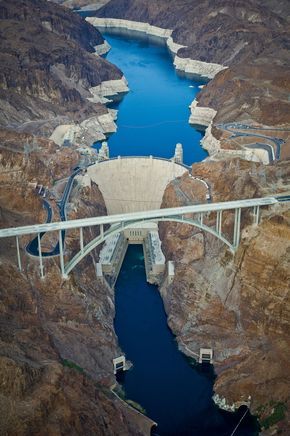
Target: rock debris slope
point(56, 337)
point(47, 67)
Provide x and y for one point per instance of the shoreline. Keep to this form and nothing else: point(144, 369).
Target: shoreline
point(95, 128)
point(205, 70)
point(201, 117)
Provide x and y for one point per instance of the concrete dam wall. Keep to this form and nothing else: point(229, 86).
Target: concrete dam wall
point(133, 184)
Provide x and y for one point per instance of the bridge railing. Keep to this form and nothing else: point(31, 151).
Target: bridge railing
point(119, 222)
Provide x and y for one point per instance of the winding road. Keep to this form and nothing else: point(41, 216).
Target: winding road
point(32, 246)
point(273, 152)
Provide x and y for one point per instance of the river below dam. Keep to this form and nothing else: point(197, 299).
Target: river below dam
point(152, 118)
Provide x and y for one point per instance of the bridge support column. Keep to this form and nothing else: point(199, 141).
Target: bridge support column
point(237, 228)
point(60, 241)
point(201, 218)
point(40, 256)
point(18, 254)
point(256, 214)
point(219, 222)
point(102, 231)
point(81, 240)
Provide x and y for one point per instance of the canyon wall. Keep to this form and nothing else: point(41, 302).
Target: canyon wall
point(57, 337)
point(236, 304)
point(48, 66)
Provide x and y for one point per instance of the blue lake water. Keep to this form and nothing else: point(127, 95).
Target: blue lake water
point(153, 116)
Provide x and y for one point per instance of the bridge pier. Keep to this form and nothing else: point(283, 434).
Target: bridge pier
point(60, 242)
point(237, 228)
point(18, 254)
point(256, 214)
point(81, 240)
point(40, 256)
point(200, 218)
point(219, 222)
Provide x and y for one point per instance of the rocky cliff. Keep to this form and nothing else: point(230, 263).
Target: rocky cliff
point(236, 304)
point(48, 66)
point(76, 4)
point(57, 338)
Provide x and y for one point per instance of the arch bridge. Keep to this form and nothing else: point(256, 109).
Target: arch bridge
point(194, 215)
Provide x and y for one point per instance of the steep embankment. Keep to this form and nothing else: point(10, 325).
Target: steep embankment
point(93, 4)
point(57, 338)
point(238, 305)
point(250, 38)
point(48, 67)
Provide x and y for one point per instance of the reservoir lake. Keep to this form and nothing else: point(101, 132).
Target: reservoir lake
point(153, 116)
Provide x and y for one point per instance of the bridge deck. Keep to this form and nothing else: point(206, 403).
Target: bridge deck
point(137, 216)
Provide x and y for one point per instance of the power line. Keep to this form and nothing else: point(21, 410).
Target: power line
point(152, 125)
point(234, 431)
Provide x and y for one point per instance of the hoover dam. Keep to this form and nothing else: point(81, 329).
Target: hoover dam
point(144, 291)
point(133, 184)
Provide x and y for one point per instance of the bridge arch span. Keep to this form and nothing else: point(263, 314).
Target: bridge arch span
point(123, 226)
point(191, 215)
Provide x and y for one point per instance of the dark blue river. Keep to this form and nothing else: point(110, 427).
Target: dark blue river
point(174, 394)
point(153, 116)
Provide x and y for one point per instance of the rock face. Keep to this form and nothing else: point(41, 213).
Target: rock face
point(48, 66)
point(86, 4)
point(238, 305)
point(57, 338)
point(218, 32)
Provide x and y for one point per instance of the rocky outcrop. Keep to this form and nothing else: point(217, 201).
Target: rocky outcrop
point(238, 305)
point(57, 337)
point(82, 4)
point(201, 116)
point(108, 88)
point(198, 68)
point(48, 65)
point(204, 70)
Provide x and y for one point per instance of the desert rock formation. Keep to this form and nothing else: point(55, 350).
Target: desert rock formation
point(236, 304)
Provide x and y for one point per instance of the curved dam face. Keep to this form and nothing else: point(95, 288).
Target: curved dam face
point(133, 184)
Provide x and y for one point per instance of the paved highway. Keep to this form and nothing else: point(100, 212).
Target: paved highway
point(233, 127)
point(32, 246)
point(139, 216)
